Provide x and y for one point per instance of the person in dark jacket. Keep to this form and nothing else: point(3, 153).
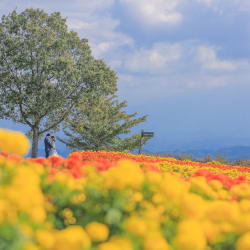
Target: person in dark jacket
point(48, 145)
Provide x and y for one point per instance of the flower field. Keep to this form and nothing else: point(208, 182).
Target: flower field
point(117, 201)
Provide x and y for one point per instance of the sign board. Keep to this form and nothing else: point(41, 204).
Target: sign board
point(144, 134)
point(147, 134)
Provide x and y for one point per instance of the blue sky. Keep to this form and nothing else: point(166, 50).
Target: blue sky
point(185, 63)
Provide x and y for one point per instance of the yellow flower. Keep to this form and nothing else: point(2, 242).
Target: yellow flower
point(199, 184)
point(126, 174)
point(136, 226)
point(79, 198)
point(109, 246)
point(210, 230)
point(67, 213)
point(137, 197)
point(30, 246)
point(241, 190)
point(219, 211)
point(193, 206)
point(224, 195)
point(216, 185)
point(45, 239)
point(158, 198)
point(38, 214)
point(97, 231)
point(173, 188)
point(73, 237)
point(243, 242)
point(190, 236)
point(70, 221)
point(130, 206)
point(155, 241)
point(153, 177)
point(14, 142)
point(245, 205)
point(124, 243)
point(243, 224)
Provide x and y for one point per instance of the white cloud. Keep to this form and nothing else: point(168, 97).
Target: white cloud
point(101, 31)
point(208, 82)
point(63, 6)
point(168, 68)
point(76, 24)
point(153, 60)
point(209, 60)
point(208, 2)
point(157, 68)
point(154, 12)
point(219, 6)
point(91, 19)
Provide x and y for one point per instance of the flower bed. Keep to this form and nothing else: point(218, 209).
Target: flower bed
point(116, 201)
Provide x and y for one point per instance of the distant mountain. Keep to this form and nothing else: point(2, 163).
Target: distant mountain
point(230, 153)
point(235, 153)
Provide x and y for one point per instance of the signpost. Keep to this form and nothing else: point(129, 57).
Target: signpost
point(144, 134)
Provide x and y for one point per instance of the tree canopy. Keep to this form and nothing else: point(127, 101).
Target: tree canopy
point(101, 124)
point(45, 70)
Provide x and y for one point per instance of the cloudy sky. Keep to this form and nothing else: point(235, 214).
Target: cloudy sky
point(185, 63)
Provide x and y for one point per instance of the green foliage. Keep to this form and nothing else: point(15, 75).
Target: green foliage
point(9, 237)
point(229, 244)
point(44, 71)
point(98, 124)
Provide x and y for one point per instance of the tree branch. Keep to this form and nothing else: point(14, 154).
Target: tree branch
point(23, 115)
point(58, 122)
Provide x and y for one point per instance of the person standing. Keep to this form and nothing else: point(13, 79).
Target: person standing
point(53, 143)
point(47, 145)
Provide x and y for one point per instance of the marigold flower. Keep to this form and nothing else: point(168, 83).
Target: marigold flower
point(218, 211)
point(155, 241)
point(109, 246)
point(211, 230)
point(136, 226)
point(73, 237)
point(123, 242)
point(215, 184)
point(98, 232)
point(14, 142)
point(45, 239)
point(30, 246)
point(137, 197)
point(193, 206)
point(190, 236)
point(127, 173)
point(243, 242)
point(38, 214)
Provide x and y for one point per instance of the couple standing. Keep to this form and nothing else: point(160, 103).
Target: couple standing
point(50, 145)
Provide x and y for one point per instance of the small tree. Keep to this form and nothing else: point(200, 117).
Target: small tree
point(44, 71)
point(99, 123)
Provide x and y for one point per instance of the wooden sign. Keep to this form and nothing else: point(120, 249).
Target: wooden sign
point(144, 134)
point(147, 134)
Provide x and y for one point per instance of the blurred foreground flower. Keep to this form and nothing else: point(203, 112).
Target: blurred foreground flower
point(14, 142)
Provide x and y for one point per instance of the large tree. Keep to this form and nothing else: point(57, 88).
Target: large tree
point(44, 71)
point(101, 124)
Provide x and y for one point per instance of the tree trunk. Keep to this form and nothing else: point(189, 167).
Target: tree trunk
point(35, 142)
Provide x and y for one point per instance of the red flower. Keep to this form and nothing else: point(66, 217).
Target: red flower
point(56, 161)
point(40, 160)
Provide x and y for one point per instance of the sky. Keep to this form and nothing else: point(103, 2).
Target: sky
point(184, 63)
